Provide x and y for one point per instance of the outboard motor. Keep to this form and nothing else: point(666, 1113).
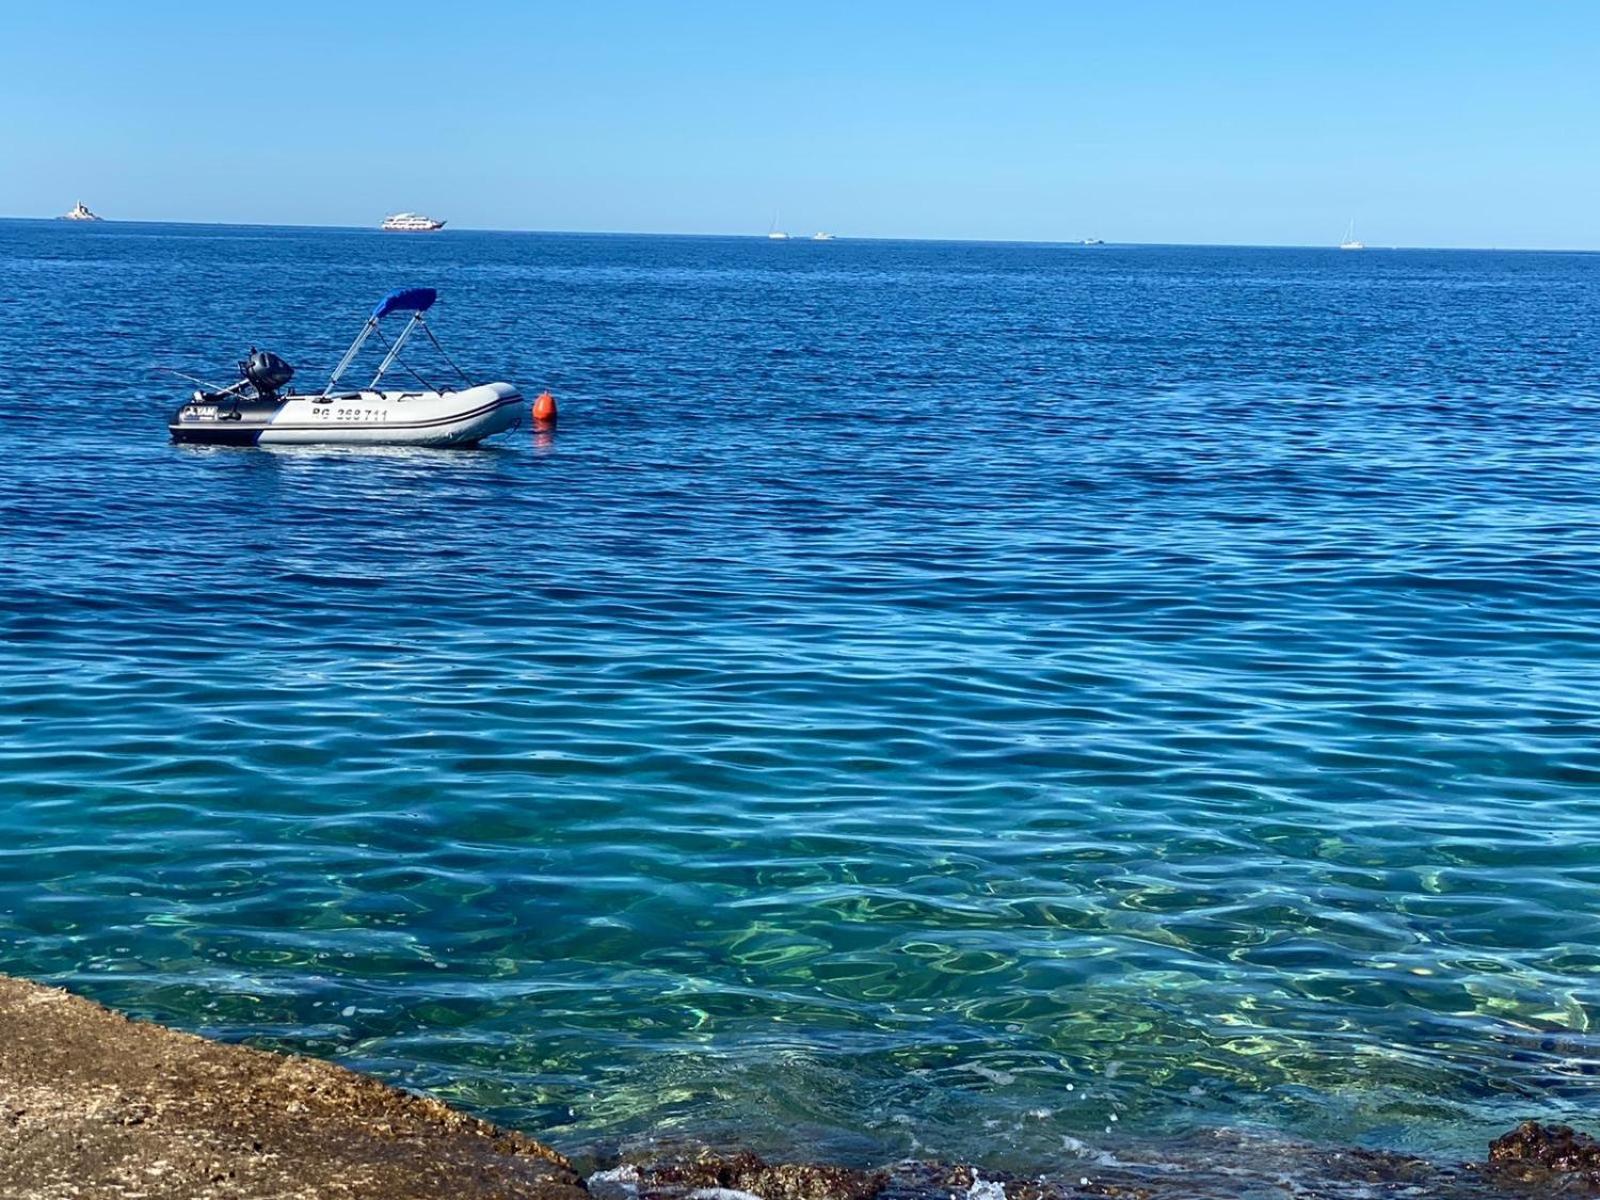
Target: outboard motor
point(266, 372)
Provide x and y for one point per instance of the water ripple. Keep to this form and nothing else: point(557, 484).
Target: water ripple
point(918, 688)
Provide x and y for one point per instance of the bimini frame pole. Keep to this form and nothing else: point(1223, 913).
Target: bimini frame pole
point(412, 300)
point(394, 350)
point(350, 354)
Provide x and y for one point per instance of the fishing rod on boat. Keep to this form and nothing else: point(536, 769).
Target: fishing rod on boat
point(261, 370)
point(261, 409)
point(210, 387)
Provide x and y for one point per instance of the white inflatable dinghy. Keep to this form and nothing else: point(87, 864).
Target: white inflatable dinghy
point(256, 411)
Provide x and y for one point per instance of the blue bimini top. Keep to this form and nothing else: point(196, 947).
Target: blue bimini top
point(405, 300)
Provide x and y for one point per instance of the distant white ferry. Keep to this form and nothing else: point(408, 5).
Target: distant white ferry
point(411, 223)
point(79, 213)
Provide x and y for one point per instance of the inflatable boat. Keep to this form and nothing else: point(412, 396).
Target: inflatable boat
point(257, 411)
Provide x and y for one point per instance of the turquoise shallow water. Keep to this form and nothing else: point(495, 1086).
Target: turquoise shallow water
point(946, 698)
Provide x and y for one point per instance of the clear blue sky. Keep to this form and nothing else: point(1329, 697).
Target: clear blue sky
point(1430, 123)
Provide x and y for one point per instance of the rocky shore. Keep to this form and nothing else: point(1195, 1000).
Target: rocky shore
point(93, 1105)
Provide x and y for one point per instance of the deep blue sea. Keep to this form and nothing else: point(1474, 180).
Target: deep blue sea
point(923, 698)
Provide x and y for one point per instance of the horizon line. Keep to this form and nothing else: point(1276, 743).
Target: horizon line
point(1105, 244)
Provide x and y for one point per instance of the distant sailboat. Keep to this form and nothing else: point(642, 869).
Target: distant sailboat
point(1350, 242)
point(774, 233)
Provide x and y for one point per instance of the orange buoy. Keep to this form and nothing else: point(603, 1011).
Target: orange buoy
point(544, 407)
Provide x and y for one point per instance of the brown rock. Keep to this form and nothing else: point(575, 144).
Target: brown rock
point(95, 1105)
point(1554, 1148)
point(745, 1172)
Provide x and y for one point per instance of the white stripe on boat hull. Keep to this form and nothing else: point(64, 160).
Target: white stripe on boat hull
point(396, 418)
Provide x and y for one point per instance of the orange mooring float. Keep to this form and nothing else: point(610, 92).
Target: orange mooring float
point(544, 408)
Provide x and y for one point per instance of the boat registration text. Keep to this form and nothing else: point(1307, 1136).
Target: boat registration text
point(351, 414)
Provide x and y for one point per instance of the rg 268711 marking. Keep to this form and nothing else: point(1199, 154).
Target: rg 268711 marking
point(352, 414)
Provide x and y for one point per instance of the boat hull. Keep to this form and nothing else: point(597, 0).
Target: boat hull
point(461, 418)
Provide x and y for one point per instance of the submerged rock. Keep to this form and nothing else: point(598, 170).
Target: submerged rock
point(1532, 1150)
point(95, 1105)
point(709, 1175)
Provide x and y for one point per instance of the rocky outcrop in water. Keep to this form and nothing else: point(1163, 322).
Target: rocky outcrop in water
point(706, 1174)
point(96, 1107)
point(1533, 1152)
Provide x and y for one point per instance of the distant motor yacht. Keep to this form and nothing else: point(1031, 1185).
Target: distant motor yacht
point(1094, 241)
point(79, 212)
point(1350, 242)
point(819, 236)
point(408, 222)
